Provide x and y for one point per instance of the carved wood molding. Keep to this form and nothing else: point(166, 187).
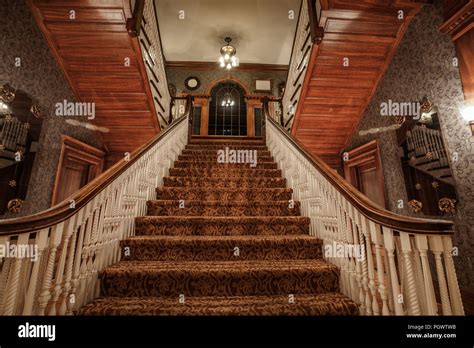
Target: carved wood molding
point(461, 22)
point(73, 149)
point(215, 65)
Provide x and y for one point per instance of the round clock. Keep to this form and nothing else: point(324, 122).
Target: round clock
point(192, 83)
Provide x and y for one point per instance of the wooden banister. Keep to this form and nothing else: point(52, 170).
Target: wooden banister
point(134, 24)
point(62, 210)
point(361, 202)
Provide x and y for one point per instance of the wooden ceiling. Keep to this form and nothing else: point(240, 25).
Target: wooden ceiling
point(92, 50)
point(334, 96)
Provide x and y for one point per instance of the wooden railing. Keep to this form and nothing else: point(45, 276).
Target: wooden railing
point(308, 33)
point(144, 25)
point(391, 275)
point(76, 239)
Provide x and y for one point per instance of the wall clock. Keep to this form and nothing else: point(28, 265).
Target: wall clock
point(192, 83)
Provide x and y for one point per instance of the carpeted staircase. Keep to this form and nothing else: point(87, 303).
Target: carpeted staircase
point(236, 247)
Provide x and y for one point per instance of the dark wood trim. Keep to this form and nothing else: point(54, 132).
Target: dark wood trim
point(82, 152)
point(304, 92)
point(134, 24)
point(62, 211)
point(367, 153)
point(293, 47)
point(317, 32)
point(361, 202)
point(215, 66)
point(460, 22)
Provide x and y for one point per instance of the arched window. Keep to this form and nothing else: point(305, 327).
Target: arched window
point(227, 111)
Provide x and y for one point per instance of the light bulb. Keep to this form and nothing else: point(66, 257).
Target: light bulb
point(226, 56)
point(222, 65)
point(221, 60)
point(229, 66)
point(234, 63)
point(468, 113)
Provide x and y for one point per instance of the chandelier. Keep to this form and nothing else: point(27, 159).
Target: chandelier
point(228, 57)
point(227, 101)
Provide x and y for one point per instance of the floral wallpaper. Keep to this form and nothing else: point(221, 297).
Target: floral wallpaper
point(40, 77)
point(424, 65)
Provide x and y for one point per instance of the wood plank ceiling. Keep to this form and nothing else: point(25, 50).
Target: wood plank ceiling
point(92, 50)
point(334, 96)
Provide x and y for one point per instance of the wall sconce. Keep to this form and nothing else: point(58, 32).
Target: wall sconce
point(468, 114)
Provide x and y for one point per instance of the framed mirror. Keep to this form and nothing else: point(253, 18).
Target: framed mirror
point(20, 127)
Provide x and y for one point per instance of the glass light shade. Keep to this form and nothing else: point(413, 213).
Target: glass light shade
point(229, 66)
point(468, 113)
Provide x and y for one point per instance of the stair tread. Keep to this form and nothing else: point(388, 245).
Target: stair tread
point(229, 219)
point(220, 266)
point(331, 303)
point(184, 239)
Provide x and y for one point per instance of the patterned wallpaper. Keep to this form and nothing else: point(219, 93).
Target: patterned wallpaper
point(178, 76)
point(41, 78)
point(422, 66)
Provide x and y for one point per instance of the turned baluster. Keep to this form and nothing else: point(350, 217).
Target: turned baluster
point(436, 245)
point(429, 294)
point(456, 299)
point(54, 241)
point(413, 304)
point(383, 288)
point(418, 270)
point(14, 280)
point(369, 225)
point(57, 291)
point(390, 248)
point(41, 242)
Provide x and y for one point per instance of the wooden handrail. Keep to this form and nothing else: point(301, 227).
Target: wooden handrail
point(62, 210)
point(361, 202)
point(317, 32)
point(134, 24)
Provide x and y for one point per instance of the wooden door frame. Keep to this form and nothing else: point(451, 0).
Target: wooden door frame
point(367, 153)
point(81, 152)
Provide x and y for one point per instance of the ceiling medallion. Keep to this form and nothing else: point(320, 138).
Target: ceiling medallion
point(14, 205)
point(415, 205)
point(447, 205)
point(228, 57)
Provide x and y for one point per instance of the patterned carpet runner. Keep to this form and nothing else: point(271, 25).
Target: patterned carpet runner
point(221, 239)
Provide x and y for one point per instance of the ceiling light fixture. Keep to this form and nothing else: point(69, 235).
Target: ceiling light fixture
point(227, 101)
point(228, 57)
point(468, 115)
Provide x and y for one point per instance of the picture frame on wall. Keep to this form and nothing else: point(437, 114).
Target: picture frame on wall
point(263, 85)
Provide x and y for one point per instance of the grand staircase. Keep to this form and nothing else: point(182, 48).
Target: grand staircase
point(221, 239)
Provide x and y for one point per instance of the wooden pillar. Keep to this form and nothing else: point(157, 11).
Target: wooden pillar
point(252, 103)
point(203, 102)
point(459, 24)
